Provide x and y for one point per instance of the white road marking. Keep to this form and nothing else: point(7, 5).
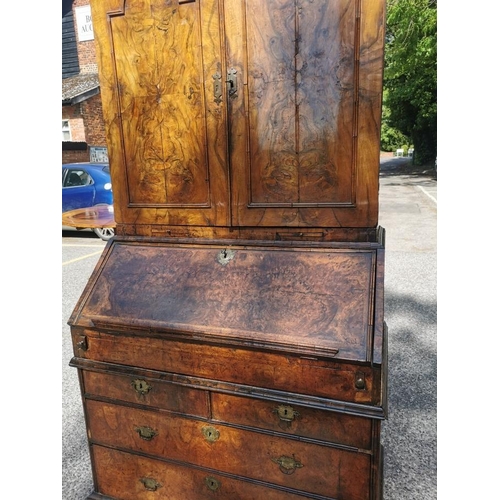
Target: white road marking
point(429, 195)
point(81, 258)
point(82, 245)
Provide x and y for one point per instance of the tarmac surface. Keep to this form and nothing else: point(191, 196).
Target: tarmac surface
point(408, 212)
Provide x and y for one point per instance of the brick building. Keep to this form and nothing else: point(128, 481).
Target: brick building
point(83, 132)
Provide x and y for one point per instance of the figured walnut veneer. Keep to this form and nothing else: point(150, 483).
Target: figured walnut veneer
point(291, 142)
point(231, 343)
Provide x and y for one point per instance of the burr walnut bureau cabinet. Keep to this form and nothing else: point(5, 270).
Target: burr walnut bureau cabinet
point(231, 343)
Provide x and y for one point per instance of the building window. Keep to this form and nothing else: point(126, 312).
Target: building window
point(66, 134)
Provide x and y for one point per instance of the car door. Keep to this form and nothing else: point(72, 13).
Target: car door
point(78, 189)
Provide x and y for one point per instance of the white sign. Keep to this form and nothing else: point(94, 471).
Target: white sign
point(84, 23)
point(98, 154)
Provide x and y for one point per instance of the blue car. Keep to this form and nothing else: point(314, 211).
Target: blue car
point(86, 185)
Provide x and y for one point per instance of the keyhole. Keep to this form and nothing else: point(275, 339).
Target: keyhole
point(212, 483)
point(225, 255)
point(211, 434)
point(286, 413)
point(141, 387)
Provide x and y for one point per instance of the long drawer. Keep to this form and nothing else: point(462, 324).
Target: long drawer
point(357, 383)
point(127, 476)
point(294, 464)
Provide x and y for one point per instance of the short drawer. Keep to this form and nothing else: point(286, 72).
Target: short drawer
point(296, 420)
point(146, 391)
point(132, 477)
point(294, 464)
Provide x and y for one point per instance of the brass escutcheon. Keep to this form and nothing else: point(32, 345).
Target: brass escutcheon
point(141, 386)
point(150, 484)
point(212, 483)
point(287, 464)
point(225, 256)
point(146, 433)
point(211, 434)
point(232, 81)
point(286, 413)
point(217, 87)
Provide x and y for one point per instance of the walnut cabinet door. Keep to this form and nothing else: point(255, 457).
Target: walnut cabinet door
point(305, 119)
point(160, 64)
point(242, 113)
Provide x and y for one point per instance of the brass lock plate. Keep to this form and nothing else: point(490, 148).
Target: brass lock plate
point(217, 87)
point(211, 434)
point(141, 386)
point(286, 413)
point(212, 483)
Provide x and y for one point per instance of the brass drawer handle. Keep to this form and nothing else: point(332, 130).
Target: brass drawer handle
point(212, 483)
point(287, 464)
point(359, 381)
point(141, 386)
point(286, 413)
point(150, 484)
point(211, 434)
point(146, 433)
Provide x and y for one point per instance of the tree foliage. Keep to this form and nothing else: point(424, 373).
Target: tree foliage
point(410, 73)
point(390, 137)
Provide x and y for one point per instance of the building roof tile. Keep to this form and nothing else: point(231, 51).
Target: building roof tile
point(79, 87)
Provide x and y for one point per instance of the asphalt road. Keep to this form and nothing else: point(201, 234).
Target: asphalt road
point(408, 212)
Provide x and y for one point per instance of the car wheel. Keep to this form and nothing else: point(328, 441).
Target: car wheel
point(105, 233)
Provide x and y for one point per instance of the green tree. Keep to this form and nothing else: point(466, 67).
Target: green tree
point(390, 138)
point(410, 73)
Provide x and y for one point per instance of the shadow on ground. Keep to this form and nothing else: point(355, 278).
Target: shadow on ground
point(394, 166)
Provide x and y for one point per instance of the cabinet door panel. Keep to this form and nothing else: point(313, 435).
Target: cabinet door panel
point(294, 124)
point(165, 130)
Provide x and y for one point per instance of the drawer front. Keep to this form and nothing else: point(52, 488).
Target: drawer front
point(145, 391)
point(342, 381)
point(297, 420)
point(289, 463)
point(131, 477)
